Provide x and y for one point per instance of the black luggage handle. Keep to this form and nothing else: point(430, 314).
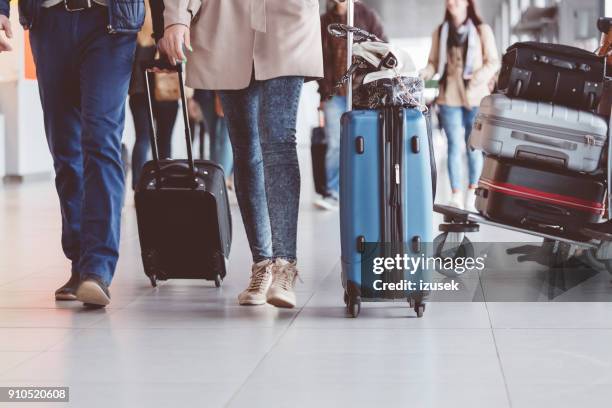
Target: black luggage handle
point(551, 209)
point(163, 64)
point(563, 64)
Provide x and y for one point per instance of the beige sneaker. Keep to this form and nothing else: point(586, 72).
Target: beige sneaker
point(281, 292)
point(470, 201)
point(261, 277)
point(457, 200)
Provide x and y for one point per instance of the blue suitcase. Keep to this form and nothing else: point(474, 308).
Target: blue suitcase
point(387, 187)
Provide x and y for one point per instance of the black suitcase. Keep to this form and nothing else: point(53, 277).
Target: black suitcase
point(318, 152)
point(532, 196)
point(184, 219)
point(555, 73)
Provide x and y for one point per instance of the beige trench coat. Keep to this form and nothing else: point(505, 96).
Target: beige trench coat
point(230, 37)
point(486, 64)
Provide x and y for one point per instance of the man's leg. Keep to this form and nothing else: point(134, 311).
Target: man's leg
point(165, 118)
point(142, 127)
point(52, 47)
point(105, 66)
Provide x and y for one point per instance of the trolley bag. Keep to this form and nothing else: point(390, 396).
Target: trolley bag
point(387, 181)
point(386, 195)
point(540, 132)
point(318, 152)
point(184, 220)
point(532, 196)
point(555, 73)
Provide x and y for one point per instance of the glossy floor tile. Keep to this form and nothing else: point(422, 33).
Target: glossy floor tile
point(187, 343)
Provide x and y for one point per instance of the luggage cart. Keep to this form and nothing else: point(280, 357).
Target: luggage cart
point(453, 242)
point(596, 241)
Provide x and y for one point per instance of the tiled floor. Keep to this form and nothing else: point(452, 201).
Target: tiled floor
point(188, 344)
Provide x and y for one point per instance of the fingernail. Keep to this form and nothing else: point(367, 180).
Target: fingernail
point(184, 59)
point(190, 48)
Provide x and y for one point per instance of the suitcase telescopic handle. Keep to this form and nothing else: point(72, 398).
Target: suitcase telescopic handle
point(563, 64)
point(164, 65)
point(350, 21)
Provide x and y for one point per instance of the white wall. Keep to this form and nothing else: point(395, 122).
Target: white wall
point(418, 18)
point(24, 148)
point(26, 151)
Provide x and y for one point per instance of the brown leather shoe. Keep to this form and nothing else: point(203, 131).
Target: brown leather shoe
point(68, 290)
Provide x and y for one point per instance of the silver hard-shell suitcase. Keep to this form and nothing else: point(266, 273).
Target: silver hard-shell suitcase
point(540, 132)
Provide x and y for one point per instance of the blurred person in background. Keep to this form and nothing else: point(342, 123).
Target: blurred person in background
point(464, 54)
point(164, 108)
point(220, 148)
point(335, 64)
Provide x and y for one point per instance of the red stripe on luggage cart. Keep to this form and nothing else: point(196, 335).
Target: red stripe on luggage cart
point(525, 192)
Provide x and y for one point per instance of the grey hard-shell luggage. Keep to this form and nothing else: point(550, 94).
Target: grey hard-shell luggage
point(540, 132)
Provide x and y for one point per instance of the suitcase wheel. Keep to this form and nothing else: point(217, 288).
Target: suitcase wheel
point(353, 305)
point(417, 303)
point(452, 245)
point(218, 281)
point(420, 310)
point(153, 280)
point(562, 253)
point(417, 306)
point(412, 302)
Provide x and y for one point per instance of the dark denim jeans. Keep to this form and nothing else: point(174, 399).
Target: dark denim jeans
point(262, 124)
point(165, 118)
point(83, 77)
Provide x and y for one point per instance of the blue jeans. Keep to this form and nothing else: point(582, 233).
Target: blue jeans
point(333, 110)
point(165, 117)
point(83, 77)
point(220, 146)
point(457, 123)
point(262, 126)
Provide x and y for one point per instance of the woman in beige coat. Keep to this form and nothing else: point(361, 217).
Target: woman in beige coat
point(464, 53)
point(257, 53)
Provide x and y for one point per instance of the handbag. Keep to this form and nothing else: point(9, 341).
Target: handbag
point(166, 88)
point(383, 75)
